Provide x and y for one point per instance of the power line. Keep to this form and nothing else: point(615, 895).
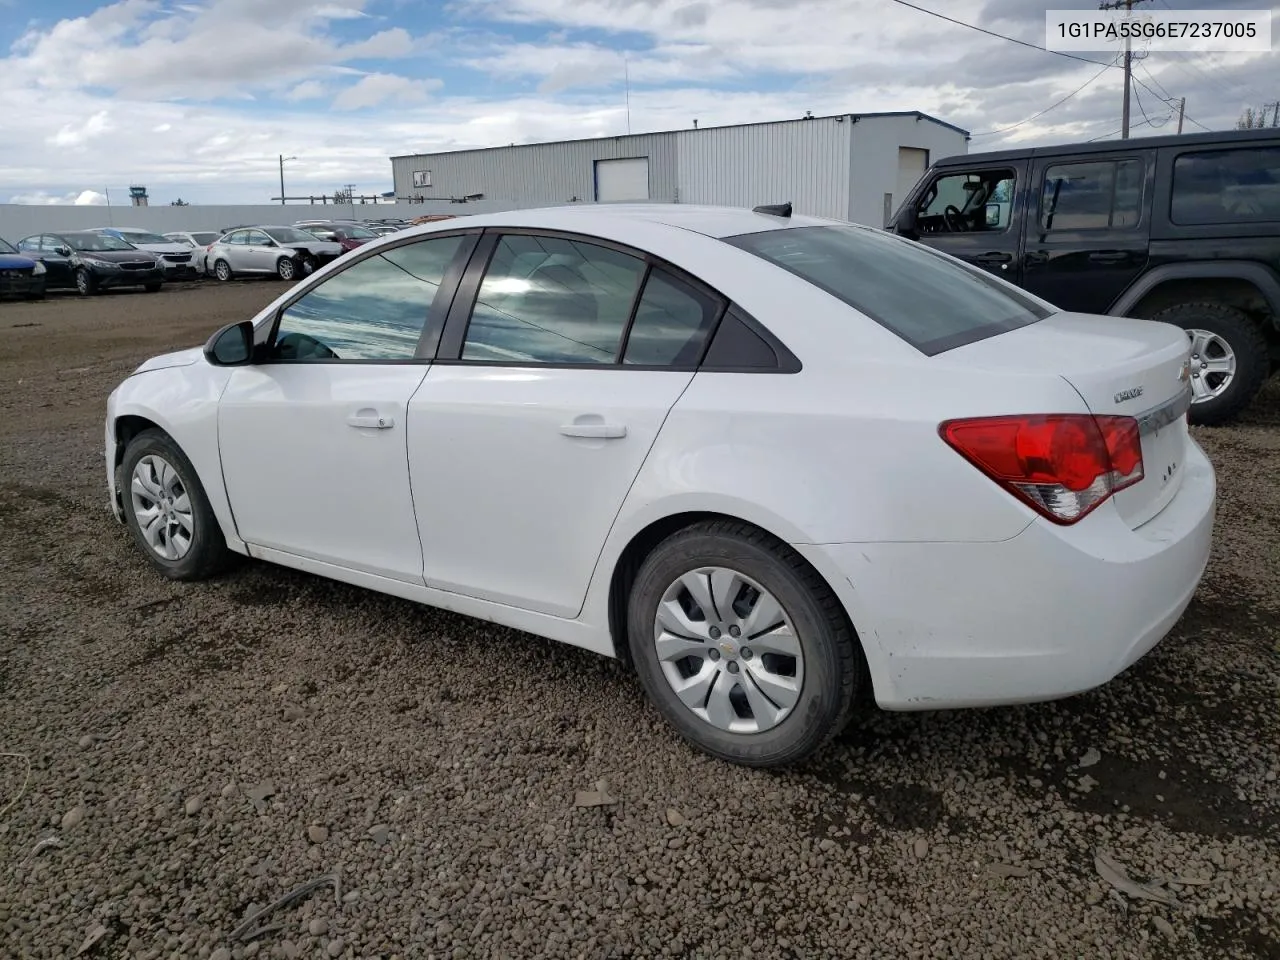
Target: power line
point(1001, 36)
point(1073, 93)
point(1185, 115)
point(1121, 130)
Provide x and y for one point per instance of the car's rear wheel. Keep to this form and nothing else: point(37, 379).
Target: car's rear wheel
point(286, 269)
point(222, 270)
point(167, 510)
point(86, 284)
point(1229, 358)
point(742, 646)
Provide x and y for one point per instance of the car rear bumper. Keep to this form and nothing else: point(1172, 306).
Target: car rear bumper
point(1049, 613)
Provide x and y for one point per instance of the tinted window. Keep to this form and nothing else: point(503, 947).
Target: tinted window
point(671, 324)
point(1226, 186)
point(931, 301)
point(1104, 195)
point(547, 300)
point(373, 310)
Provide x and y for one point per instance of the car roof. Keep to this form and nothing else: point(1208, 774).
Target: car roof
point(710, 221)
point(1224, 138)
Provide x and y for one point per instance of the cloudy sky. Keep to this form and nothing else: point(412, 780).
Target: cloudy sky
point(197, 98)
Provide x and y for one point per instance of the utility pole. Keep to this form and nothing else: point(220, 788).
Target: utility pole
point(1182, 109)
point(283, 158)
point(1275, 116)
point(1127, 5)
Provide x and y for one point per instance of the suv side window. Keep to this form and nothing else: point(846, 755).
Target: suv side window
point(1092, 195)
point(552, 300)
point(968, 203)
point(373, 310)
point(1226, 186)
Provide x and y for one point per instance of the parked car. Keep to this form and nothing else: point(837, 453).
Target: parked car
point(349, 235)
point(775, 463)
point(92, 262)
point(20, 275)
point(287, 252)
point(199, 242)
point(383, 229)
point(1182, 229)
point(177, 257)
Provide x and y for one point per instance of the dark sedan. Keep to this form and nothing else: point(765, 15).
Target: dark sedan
point(20, 275)
point(91, 262)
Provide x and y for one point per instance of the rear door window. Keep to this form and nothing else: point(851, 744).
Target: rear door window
point(932, 301)
point(1099, 195)
point(1241, 185)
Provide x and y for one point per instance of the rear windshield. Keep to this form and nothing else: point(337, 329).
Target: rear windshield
point(932, 302)
point(204, 239)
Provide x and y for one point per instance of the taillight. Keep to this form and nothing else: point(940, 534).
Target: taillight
point(1063, 465)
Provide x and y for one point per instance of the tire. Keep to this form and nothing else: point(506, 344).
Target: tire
point(86, 283)
point(830, 672)
point(286, 269)
point(308, 266)
point(1246, 342)
point(152, 288)
point(205, 552)
point(222, 270)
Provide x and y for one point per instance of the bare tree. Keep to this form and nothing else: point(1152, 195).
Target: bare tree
point(1252, 119)
point(342, 196)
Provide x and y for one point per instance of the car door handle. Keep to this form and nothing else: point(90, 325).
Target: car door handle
point(1109, 256)
point(993, 258)
point(370, 422)
point(597, 431)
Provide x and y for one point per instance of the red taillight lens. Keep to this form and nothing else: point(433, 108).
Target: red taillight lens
point(1063, 465)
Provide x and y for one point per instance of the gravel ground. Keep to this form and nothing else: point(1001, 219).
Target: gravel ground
point(179, 755)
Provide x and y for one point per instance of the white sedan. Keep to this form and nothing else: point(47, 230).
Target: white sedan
point(776, 463)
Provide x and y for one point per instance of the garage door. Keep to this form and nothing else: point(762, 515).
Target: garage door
point(912, 163)
point(618, 180)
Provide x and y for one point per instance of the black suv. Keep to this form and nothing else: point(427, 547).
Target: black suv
point(1181, 229)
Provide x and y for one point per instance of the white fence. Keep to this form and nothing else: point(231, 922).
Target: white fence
point(23, 220)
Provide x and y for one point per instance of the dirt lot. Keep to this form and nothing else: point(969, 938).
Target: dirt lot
point(197, 750)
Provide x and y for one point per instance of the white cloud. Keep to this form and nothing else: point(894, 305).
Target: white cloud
point(79, 198)
point(376, 88)
point(307, 90)
point(77, 135)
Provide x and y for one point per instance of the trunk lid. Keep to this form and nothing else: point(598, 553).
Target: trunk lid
point(1120, 367)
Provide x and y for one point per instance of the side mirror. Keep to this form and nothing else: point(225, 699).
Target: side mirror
point(906, 222)
point(232, 346)
point(993, 214)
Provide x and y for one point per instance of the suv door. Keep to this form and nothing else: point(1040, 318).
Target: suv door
point(1087, 235)
point(555, 374)
point(313, 435)
point(974, 213)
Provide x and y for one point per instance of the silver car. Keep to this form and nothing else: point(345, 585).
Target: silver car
point(286, 252)
point(199, 241)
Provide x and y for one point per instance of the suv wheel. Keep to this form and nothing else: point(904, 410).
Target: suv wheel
point(1229, 358)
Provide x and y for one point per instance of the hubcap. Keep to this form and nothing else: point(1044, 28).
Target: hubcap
point(222, 271)
point(1213, 364)
point(286, 269)
point(82, 281)
point(162, 507)
point(728, 650)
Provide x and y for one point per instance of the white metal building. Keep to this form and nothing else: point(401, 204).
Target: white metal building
point(852, 166)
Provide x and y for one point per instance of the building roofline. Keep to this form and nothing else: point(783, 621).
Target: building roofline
point(855, 117)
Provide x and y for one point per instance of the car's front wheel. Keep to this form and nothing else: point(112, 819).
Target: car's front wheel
point(167, 510)
point(286, 269)
point(86, 283)
point(742, 646)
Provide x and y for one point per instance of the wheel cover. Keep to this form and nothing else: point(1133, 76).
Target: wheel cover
point(286, 269)
point(82, 281)
point(222, 270)
point(728, 650)
point(1213, 365)
point(162, 507)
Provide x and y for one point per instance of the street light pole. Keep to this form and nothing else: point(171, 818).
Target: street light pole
point(283, 158)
